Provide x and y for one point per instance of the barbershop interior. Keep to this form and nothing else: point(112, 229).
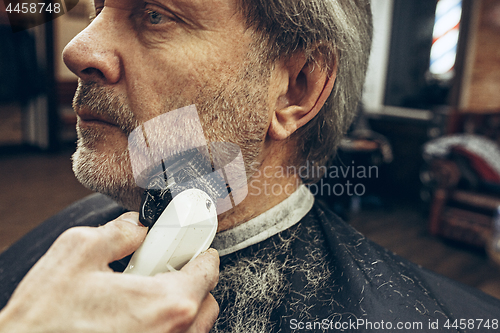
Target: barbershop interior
point(418, 171)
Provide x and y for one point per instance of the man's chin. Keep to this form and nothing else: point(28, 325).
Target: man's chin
point(130, 202)
point(109, 174)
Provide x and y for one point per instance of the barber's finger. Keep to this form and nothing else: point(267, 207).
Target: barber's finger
point(122, 236)
point(207, 315)
point(203, 272)
point(102, 245)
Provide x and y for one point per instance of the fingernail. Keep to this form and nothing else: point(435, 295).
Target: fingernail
point(212, 251)
point(132, 218)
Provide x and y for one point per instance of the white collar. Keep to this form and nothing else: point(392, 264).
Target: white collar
point(278, 218)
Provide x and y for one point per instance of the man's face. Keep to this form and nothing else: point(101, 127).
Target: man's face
point(139, 59)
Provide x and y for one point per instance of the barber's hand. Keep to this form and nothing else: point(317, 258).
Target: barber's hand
point(72, 289)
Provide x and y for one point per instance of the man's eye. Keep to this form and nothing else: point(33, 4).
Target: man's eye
point(154, 18)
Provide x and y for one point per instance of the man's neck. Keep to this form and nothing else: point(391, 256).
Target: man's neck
point(267, 187)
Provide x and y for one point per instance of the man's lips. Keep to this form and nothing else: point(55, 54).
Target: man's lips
point(89, 117)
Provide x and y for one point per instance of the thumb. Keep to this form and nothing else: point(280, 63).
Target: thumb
point(121, 237)
point(91, 247)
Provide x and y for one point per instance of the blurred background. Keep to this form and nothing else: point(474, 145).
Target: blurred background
point(418, 173)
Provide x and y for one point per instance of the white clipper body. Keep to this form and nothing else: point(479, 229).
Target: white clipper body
point(186, 228)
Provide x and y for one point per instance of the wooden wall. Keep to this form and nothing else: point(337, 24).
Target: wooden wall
point(480, 86)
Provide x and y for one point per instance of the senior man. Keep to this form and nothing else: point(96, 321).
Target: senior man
point(281, 80)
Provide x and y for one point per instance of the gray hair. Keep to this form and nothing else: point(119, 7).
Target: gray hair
point(328, 32)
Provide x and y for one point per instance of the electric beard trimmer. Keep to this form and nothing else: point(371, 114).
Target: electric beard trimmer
point(179, 207)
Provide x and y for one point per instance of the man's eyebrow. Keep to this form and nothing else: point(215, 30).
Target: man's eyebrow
point(193, 12)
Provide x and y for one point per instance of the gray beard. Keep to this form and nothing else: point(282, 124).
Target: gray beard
point(252, 287)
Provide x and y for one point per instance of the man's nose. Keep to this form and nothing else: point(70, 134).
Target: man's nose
point(92, 54)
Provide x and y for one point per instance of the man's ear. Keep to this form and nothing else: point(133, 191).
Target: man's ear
point(302, 97)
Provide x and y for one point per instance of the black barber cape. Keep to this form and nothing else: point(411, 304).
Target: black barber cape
point(331, 279)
